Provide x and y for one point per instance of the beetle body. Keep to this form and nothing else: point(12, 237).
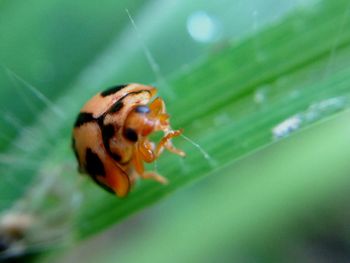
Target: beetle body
point(110, 136)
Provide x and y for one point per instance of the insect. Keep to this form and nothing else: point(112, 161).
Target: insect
point(111, 136)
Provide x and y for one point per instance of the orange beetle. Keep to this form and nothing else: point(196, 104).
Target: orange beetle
point(110, 136)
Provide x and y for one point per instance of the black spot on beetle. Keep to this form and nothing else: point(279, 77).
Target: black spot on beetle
point(94, 165)
point(108, 132)
point(115, 156)
point(83, 117)
point(116, 107)
point(142, 109)
point(130, 134)
point(112, 90)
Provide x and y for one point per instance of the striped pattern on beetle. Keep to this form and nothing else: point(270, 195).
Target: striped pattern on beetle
point(110, 136)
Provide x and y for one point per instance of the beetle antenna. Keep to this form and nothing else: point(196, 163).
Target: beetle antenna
point(205, 154)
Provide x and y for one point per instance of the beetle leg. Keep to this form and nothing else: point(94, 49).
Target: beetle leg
point(154, 176)
point(138, 162)
point(139, 167)
point(158, 112)
point(157, 106)
point(149, 152)
point(165, 142)
point(146, 150)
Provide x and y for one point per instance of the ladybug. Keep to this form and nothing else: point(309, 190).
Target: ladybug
point(110, 136)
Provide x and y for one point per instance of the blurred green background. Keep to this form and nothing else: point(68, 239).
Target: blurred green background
point(263, 88)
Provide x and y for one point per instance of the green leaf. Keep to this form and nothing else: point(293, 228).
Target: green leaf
point(247, 207)
point(239, 97)
point(221, 113)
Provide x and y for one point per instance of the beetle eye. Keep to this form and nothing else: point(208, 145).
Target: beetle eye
point(142, 109)
point(130, 134)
